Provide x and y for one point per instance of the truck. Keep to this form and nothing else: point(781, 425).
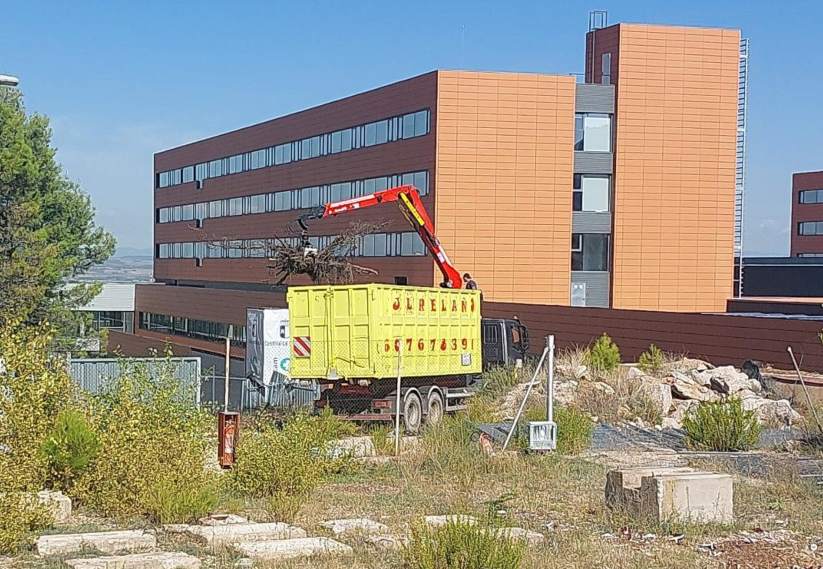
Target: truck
point(355, 341)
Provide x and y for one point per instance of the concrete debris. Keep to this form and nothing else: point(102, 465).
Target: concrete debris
point(156, 560)
point(275, 550)
point(351, 447)
point(769, 411)
point(687, 388)
point(437, 521)
point(520, 534)
point(387, 542)
point(660, 394)
point(351, 526)
point(671, 494)
point(222, 520)
point(104, 541)
point(58, 504)
point(245, 533)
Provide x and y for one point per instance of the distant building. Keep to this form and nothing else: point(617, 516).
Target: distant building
point(113, 308)
point(783, 276)
point(807, 214)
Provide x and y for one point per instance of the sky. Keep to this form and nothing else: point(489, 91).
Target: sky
point(123, 80)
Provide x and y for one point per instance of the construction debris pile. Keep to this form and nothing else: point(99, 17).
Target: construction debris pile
point(680, 387)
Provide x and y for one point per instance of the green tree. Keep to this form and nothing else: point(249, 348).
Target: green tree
point(47, 229)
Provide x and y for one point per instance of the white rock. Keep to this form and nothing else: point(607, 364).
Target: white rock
point(635, 373)
point(351, 447)
point(222, 520)
point(684, 388)
point(660, 394)
point(58, 504)
point(156, 560)
point(727, 380)
point(521, 534)
point(771, 412)
point(437, 521)
point(603, 387)
point(292, 548)
point(104, 541)
point(245, 533)
point(350, 526)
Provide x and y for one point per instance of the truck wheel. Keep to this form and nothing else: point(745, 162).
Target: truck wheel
point(412, 412)
point(436, 406)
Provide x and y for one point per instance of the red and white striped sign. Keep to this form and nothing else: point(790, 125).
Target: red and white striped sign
point(302, 346)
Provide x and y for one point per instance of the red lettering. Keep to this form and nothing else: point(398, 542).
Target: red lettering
point(442, 305)
point(433, 343)
point(409, 343)
point(434, 305)
point(422, 304)
point(454, 305)
point(397, 345)
point(472, 305)
point(463, 306)
point(421, 345)
point(454, 344)
point(396, 305)
point(443, 345)
point(464, 343)
point(409, 304)
point(388, 346)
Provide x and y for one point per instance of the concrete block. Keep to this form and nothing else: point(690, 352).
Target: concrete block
point(104, 541)
point(521, 534)
point(292, 548)
point(57, 503)
point(243, 533)
point(437, 521)
point(354, 526)
point(222, 520)
point(688, 497)
point(623, 486)
point(351, 447)
point(156, 560)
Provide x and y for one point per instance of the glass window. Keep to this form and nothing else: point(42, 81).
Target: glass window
point(606, 69)
point(257, 203)
point(200, 249)
point(163, 179)
point(310, 197)
point(407, 244)
point(371, 134)
point(597, 133)
point(283, 153)
point(201, 210)
point(421, 123)
point(336, 142)
point(367, 248)
point(421, 182)
point(176, 249)
point(188, 174)
point(187, 250)
point(215, 250)
point(379, 244)
point(282, 201)
point(305, 148)
point(164, 215)
point(176, 177)
point(188, 212)
point(578, 132)
point(215, 168)
point(590, 252)
point(216, 208)
point(408, 125)
point(258, 159)
point(345, 139)
point(590, 193)
point(236, 164)
point(177, 213)
point(236, 206)
point(201, 171)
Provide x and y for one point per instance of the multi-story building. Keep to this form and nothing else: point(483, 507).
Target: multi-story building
point(807, 214)
point(616, 192)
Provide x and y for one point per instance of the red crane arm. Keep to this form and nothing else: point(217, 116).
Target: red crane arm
point(408, 199)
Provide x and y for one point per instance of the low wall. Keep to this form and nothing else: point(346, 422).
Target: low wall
point(718, 338)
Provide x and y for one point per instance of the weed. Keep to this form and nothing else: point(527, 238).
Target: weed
point(603, 355)
point(382, 438)
point(652, 360)
point(721, 426)
point(282, 507)
point(571, 362)
point(20, 515)
point(574, 430)
point(617, 398)
point(461, 546)
point(171, 500)
point(70, 448)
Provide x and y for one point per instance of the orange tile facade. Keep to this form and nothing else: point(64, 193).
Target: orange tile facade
point(674, 167)
point(503, 178)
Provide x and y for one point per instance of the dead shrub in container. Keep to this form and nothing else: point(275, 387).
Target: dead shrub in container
point(721, 426)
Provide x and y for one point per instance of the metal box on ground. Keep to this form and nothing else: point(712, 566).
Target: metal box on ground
point(542, 435)
point(357, 331)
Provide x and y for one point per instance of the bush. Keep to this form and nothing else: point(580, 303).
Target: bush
point(603, 355)
point(652, 360)
point(170, 500)
point(449, 450)
point(721, 426)
point(287, 460)
point(33, 390)
point(152, 439)
point(20, 515)
point(574, 430)
point(69, 449)
point(461, 546)
point(382, 437)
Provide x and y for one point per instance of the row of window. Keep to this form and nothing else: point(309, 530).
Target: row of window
point(407, 244)
point(182, 326)
point(379, 132)
point(810, 228)
point(590, 252)
point(811, 196)
point(291, 199)
point(593, 132)
point(810, 254)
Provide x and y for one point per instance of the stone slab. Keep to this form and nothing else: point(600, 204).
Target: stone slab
point(351, 447)
point(245, 533)
point(521, 534)
point(437, 521)
point(155, 560)
point(222, 520)
point(623, 486)
point(280, 549)
point(104, 541)
point(349, 526)
point(688, 497)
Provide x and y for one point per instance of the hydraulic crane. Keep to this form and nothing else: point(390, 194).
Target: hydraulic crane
point(408, 199)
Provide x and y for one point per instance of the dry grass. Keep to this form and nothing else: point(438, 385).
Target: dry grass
point(626, 400)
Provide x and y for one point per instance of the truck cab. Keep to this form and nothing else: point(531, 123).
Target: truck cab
point(504, 341)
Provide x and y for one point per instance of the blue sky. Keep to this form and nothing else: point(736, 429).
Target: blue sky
point(122, 80)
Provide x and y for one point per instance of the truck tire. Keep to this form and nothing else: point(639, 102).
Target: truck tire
point(412, 412)
point(436, 407)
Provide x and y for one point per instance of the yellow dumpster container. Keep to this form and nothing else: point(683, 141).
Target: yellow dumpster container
point(355, 332)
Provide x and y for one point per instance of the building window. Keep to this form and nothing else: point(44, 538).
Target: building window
point(592, 132)
point(606, 69)
point(810, 228)
point(590, 193)
point(590, 252)
point(811, 196)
